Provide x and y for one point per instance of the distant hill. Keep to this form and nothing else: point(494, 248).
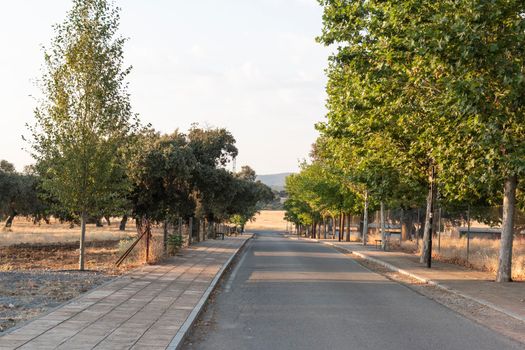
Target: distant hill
point(275, 181)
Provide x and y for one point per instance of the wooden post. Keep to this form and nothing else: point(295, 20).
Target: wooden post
point(190, 226)
point(165, 236)
point(383, 233)
point(83, 219)
point(148, 233)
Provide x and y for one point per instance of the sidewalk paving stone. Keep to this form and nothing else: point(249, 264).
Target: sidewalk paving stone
point(144, 309)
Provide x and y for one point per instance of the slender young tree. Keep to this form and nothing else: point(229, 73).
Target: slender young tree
point(84, 119)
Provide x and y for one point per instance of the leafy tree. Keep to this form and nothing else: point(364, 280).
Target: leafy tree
point(443, 83)
point(84, 120)
point(161, 176)
point(480, 52)
point(250, 197)
point(213, 148)
point(19, 195)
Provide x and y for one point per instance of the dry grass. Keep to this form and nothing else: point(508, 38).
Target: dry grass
point(272, 220)
point(483, 253)
point(100, 256)
point(24, 231)
point(54, 246)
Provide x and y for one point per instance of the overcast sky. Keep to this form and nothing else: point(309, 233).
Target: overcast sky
point(252, 66)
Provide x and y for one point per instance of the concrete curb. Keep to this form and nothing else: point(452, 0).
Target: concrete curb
point(423, 279)
point(178, 340)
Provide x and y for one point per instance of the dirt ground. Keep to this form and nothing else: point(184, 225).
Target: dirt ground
point(35, 278)
point(38, 266)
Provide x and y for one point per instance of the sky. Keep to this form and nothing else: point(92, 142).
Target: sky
point(251, 66)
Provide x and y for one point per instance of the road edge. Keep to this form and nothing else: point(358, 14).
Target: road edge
point(178, 340)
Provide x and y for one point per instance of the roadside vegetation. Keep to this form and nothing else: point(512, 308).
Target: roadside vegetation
point(97, 165)
point(425, 102)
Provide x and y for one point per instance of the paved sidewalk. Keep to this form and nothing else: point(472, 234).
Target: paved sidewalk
point(508, 298)
point(144, 309)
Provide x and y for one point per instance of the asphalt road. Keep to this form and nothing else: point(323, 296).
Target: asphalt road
point(288, 294)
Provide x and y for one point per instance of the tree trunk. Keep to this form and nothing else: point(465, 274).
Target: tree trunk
point(360, 228)
point(98, 223)
point(190, 231)
point(347, 236)
point(507, 231)
point(426, 252)
point(333, 227)
point(210, 229)
point(365, 220)
point(9, 221)
point(123, 222)
point(404, 226)
point(108, 220)
point(341, 226)
point(383, 233)
point(165, 236)
point(82, 249)
point(325, 228)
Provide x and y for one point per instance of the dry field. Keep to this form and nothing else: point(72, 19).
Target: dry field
point(38, 263)
point(24, 231)
point(271, 220)
point(483, 253)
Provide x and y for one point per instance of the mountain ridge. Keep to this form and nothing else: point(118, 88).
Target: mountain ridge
point(275, 181)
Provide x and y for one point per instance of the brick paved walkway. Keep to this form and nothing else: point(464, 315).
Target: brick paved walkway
point(141, 310)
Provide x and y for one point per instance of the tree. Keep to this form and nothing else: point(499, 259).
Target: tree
point(443, 81)
point(250, 197)
point(213, 149)
point(162, 178)
point(84, 120)
point(480, 50)
point(19, 195)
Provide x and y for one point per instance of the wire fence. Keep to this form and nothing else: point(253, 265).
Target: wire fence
point(465, 236)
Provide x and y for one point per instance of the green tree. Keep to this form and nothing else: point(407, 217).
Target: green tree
point(162, 178)
point(250, 197)
point(480, 52)
point(84, 120)
point(213, 149)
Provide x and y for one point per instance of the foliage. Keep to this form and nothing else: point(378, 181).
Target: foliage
point(175, 240)
point(19, 195)
point(84, 120)
point(161, 174)
point(417, 85)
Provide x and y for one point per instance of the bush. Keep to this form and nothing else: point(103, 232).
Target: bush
point(174, 242)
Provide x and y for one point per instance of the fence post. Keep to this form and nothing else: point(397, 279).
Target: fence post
point(418, 228)
point(165, 237)
point(382, 221)
point(468, 232)
point(190, 227)
point(439, 230)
